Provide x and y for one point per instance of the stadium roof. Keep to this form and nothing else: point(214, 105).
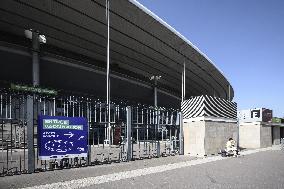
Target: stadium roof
point(140, 42)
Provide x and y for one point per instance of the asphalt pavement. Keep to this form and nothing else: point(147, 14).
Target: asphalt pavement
point(263, 168)
point(259, 170)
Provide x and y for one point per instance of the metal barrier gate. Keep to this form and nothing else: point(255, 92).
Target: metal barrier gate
point(135, 132)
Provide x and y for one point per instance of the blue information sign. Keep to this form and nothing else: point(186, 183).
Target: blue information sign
point(62, 137)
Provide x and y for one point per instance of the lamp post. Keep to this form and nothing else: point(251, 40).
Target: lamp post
point(107, 75)
point(183, 83)
point(36, 38)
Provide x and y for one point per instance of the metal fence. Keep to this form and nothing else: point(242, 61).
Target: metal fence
point(134, 132)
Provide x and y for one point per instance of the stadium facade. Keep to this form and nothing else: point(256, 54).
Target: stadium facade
point(74, 56)
point(59, 56)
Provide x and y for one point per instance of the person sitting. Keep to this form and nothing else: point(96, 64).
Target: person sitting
point(231, 149)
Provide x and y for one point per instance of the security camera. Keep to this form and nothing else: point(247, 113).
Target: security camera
point(29, 35)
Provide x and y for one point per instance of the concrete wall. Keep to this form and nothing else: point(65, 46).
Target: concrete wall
point(276, 135)
point(265, 136)
point(205, 137)
point(194, 133)
point(255, 135)
point(249, 136)
point(217, 135)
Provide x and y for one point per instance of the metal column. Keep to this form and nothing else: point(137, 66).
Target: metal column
point(30, 134)
point(157, 126)
point(155, 78)
point(184, 80)
point(181, 139)
point(229, 93)
point(183, 83)
point(182, 87)
point(89, 159)
point(155, 92)
point(108, 78)
point(35, 57)
point(238, 133)
point(129, 141)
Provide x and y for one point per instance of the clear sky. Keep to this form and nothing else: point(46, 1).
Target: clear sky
point(244, 38)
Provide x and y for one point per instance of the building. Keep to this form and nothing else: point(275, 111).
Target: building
point(75, 53)
point(258, 128)
point(55, 59)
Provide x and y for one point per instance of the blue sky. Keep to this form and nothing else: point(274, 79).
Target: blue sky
point(244, 38)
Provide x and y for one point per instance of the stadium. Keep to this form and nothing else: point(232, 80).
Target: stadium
point(74, 56)
point(64, 47)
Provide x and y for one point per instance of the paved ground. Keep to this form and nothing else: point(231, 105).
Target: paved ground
point(264, 169)
point(17, 155)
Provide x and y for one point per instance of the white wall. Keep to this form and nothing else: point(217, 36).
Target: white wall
point(249, 135)
point(194, 133)
point(255, 135)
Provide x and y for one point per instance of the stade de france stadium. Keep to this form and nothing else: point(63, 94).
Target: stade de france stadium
point(74, 56)
point(60, 47)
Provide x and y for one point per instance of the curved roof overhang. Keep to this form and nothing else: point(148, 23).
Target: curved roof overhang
point(140, 42)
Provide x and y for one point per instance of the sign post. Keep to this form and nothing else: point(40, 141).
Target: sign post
point(62, 137)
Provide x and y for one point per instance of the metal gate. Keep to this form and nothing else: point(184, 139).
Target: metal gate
point(134, 132)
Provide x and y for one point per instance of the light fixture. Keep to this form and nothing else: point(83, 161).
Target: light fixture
point(29, 35)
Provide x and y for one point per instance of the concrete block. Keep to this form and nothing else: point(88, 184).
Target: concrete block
point(217, 134)
point(265, 136)
point(255, 135)
point(249, 136)
point(206, 137)
point(194, 133)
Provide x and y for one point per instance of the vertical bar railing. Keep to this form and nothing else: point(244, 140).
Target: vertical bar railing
point(155, 130)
